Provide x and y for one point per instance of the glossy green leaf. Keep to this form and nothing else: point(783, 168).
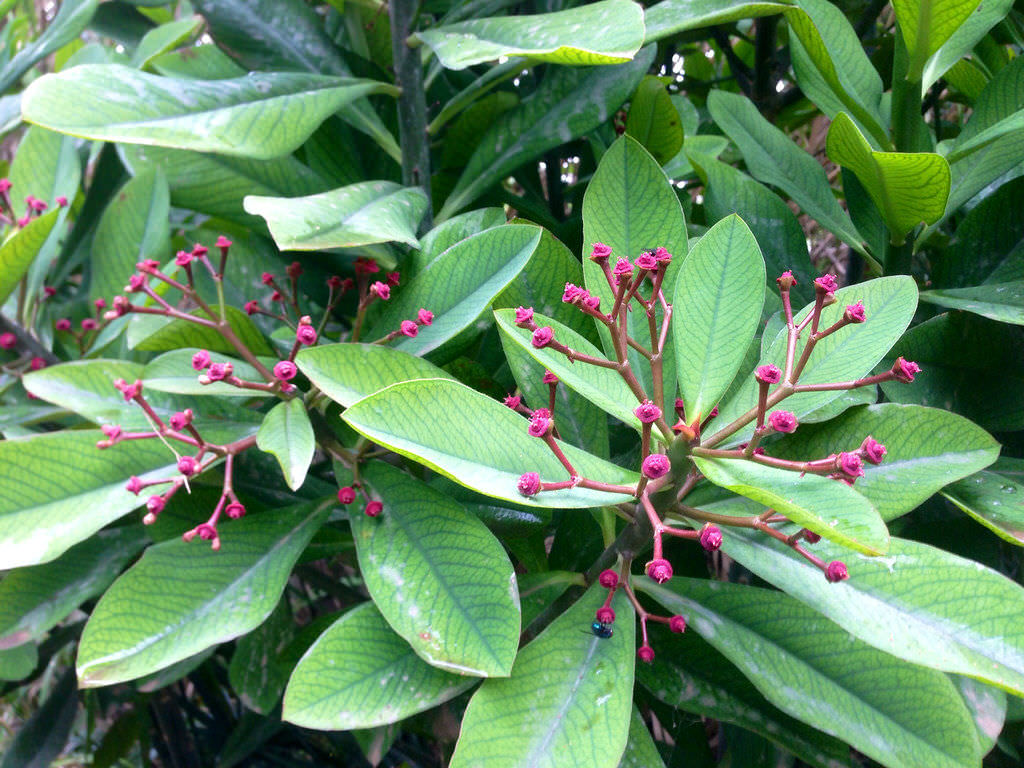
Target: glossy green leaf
point(72, 17)
point(820, 504)
point(359, 214)
point(895, 712)
point(349, 372)
point(439, 577)
point(848, 354)
point(360, 674)
point(716, 311)
point(998, 110)
point(477, 442)
point(449, 232)
point(183, 597)
point(774, 159)
point(926, 25)
point(906, 187)
point(134, 227)
point(75, 490)
point(567, 702)
point(19, 250)
point(458, 286)
point(34, 599)
point(553, 37)
point(654, 121)
point(994, 500)
point(262, 115)
point(999, 301)
point(641, 751)
point(893, 602)
point(986, 15)
point(178, 334)
point(568, 103)
point(604, 387)
point(172, 372)
point(672, 16)
point(164, 38)
point(287, 434)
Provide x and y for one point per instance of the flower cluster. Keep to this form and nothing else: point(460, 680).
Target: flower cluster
point(34, 207)
point(637, 286)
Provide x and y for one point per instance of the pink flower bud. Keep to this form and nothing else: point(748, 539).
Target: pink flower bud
point(836, 571)
point(855, 313)
point(277, 296)
point(677, 624)
point(306, 334)
point(113, 431)
point(347, 494)
point(874, 451)
point(201, 360)
point(528, 484)
point(656, 465)
point(645, 653)
point(63, 324)
point(393, 279)
point(605, 615)
point(904, 370)
point(810, 536)
point(135, 283)
point(148, 265)
point(608, 579)
point(293, 270)
point(647, 412)
point(539, 426)
point(381, 290)
point(711, 537)
point(62, 202)
point(49, 291)
point(121, 306)
point(571, 293)
point(542, 337)
point(549, 378)
point(660, 570)
point(850, 465)
point(424, 317)
point(374, 508)
point(223, 243)
point(662, 256)
point(234, 510)
point(38, 205)
point(181, 419)
point(266, 278)
point(782, 421)
point(155, 504)
point(36, 364)
point(623, 270)
point(24, 220)
point(409, 328)
point(134, 485)
point(5, 185)
point(768, 374)
point(199, 250)
point(786, 280)
point(365, 267)
point(592, 302)
point(187, 465)
point(335, 283)
point(524, 316)
point(130, 391)
point(541, 412)
point(513, 401)
point(206, 532)
point(826, 284)
point(646, 261)
point(183, 258)
point(252, 307)
point(285, 370)
point(600, 252)
point(88, 324)
point(220, 371)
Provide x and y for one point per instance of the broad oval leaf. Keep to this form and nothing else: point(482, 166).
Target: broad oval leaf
point(962, 41)
point(820, 504)
point(672, 16)
point(458, 286)
point(19, 250)
point(570, 693)
point(998, 301)
point(359, 214)
point(926, 25)
point(557, 37)
point(360, 674)
point(654, 121)
point(287, 434)
point(994, 500)
point(477, 442)
point(441, 579)
point(183, 597)
point(895, 712)
point(262, 115)
point(715, 313)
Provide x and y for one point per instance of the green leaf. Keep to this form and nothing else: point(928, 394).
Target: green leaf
point(999, 110)
point(17, 663)
point(890, 602)
point(134, 227)
point(672, 16)
point(553, 37)
point(717, 308)
point(477, 442)
point(164, 38)
point(906, 187)
point(889, 710)
point(181, 333)
point(19, 250)
point(34, 599)
point(441, 579)
point(641, 751)
point(987, 706)
point(183, 597)
point(258, 672)
point(993, 500)
point(349, 372)
point(263, 115)
point(568, 103)
point(997, 301)
point(173, 372)
point(603, 387)
point(774, 159)
point(72, 17)
point(921, 459)
point(986, 15)
point(847, 354)
point(567, 702)
point(820, 504)
point(198, 62)
point(448, 233)
point(458, 286)
point(926, 25)
point(360, 674)
point(46, 165)
point(703, 145)
point(287, 434)
point(359, 214)
point(654, 121)
point(75, 490)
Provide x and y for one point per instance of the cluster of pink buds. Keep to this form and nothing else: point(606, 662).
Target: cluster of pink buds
point(349, 493)
point(33, 206)
point(628, 283)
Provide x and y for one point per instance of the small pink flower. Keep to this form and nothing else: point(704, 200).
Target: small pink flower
point(850, 465)
point(393, 279)
point(660, 570)
point(786, 280)
point(646, 261)
point(524, 316)
point(5, 185)
point(234, 510)
point(409, 328)
point(647, 412)
point(539, 426)
point(904, 370)
point(199, 250)
point(223, 243)
point(623, 270)
point(135, 283)
point(768, 374)
point(252, 307)
point(714, 412)
point(711, 537)
point(187, 465)
point(38, 205)
point(677, 624)
point(49, 291)
point(381, 290)
point(134, 485)
point(855, 313)
point(347, 494)
point(608, 579)
point(679, 405)
point(155, 504)
point(571, 293)
point(600, 252)
point(62, 202)
point(836, 571)
point(206, 532)
point(148, 265)
point(335, 283)
point(220, 371)
point(782, 421)
point(63, 324)
point(528, 484)
point(542, 337)
point(592, 302)
point(293, 270)
point(100, 303)
point(549, 378)
point(645, 653)
point(513, 401)
point(121, 306)
point(826, 284)
point(201, 360)
point(541, 412)
point(662, 256)
point(656, 465)
point(277, 296)
point(88, 324)
point(874, 451)
point(183, 258)
point(306, 334)
point(112, 431)
point(605, 615)
point(374, 508)
point(365, 267)
point(129, 391)
point(266, 278)
point(810, 536)
point(181, 419)
point(24, 220)
point(285, 370)
point(424, 317)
